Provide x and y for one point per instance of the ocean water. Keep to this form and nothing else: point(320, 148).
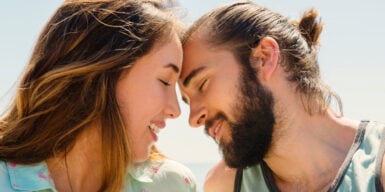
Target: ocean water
point(200, 171)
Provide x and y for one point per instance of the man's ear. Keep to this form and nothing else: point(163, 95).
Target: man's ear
point(265, 57)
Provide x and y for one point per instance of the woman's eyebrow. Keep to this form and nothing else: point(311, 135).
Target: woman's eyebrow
point(173, 67)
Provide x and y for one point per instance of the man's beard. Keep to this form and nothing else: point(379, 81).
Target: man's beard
point(252, 129)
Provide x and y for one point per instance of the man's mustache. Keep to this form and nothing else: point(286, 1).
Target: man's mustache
point(209, 123)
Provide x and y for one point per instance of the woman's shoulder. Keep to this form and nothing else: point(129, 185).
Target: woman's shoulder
point(172, 171)
point(171, 166)
point(17, 177)
point(4, 177)
point(161, 175)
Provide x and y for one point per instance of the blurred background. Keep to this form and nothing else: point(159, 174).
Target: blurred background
point(351, 60)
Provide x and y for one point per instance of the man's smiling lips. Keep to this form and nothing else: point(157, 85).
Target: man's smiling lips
point(215, 131)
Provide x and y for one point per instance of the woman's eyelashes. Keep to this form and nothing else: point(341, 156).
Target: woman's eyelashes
point(165, 82)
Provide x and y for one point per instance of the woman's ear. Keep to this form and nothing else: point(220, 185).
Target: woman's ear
point(265, 57)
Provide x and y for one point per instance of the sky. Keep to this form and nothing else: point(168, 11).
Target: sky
point(351, 59)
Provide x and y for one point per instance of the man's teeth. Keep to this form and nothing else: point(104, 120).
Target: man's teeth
point(154, 128)
point(216, 129)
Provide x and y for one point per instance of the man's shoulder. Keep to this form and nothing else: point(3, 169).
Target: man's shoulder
point(220, 178)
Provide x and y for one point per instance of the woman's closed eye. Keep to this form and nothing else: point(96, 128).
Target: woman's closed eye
point(165, 82)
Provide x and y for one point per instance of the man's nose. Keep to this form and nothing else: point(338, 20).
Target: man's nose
point(198, 116)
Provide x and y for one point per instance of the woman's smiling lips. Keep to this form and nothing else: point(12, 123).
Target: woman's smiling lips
point(155, 128)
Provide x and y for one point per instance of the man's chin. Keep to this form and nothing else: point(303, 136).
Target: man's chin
point(229, 156)
point(236, 158)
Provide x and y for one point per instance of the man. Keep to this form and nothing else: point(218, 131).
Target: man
point(252, 79)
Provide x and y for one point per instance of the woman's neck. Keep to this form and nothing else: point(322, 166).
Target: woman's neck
point(81, 168)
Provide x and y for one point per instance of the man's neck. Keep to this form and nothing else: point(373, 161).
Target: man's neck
point(308, 148)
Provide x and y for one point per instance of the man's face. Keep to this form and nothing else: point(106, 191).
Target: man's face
point(229, 101)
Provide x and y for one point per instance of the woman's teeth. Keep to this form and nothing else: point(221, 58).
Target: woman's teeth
point(154, 128)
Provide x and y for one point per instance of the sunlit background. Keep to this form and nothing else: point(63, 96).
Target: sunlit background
point(351, 60)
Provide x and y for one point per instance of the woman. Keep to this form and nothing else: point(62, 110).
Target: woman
point(98, 88)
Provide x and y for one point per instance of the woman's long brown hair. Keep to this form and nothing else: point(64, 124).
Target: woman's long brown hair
point(71, 78)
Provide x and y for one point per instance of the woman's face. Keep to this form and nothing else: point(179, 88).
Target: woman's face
point(146, 95)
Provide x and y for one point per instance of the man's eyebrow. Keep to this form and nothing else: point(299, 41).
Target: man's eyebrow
point(173, 67)
point(192, 74)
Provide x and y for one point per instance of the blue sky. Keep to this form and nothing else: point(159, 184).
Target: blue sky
point(351, 59)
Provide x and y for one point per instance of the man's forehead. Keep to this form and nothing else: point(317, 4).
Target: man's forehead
point(191, 56)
